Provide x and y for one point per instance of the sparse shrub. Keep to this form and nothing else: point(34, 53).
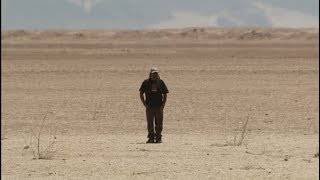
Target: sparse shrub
point(39, 148)
point(239, 137)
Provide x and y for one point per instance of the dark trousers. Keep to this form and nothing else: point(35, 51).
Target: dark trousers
point(154, 116)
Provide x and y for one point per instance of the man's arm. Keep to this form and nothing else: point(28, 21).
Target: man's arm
point(142, 99)
point(164, 92)
point(164, 99)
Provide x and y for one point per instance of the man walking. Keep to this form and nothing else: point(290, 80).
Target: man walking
point(155, 91)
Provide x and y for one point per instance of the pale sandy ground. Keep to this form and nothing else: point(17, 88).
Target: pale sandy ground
point(89, 80)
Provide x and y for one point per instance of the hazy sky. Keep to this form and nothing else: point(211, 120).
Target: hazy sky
point(136, 14)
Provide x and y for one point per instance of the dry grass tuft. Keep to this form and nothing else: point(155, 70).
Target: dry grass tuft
point(40, 149)
point(238, 139)
point(239, 136)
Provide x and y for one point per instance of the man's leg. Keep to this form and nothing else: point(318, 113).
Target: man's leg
point(159, 124)
point(150, 117)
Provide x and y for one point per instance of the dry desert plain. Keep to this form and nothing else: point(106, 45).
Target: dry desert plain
point(87, 82)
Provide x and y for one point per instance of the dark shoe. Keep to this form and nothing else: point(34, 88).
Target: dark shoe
point(158, 140)
point(150, 140)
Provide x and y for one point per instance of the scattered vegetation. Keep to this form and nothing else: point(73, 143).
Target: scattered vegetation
point(238, 138)
point(39, 148)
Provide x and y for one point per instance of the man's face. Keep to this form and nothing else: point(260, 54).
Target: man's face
point(154, 76)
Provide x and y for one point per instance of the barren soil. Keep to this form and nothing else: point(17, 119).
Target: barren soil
point(88, 81)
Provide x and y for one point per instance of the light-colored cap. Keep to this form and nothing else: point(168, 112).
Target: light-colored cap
point(154, 70)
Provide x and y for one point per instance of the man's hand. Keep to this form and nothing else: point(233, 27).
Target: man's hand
point(164, 99)
point(142, 100)
point(145, 105)
point(161, 107)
